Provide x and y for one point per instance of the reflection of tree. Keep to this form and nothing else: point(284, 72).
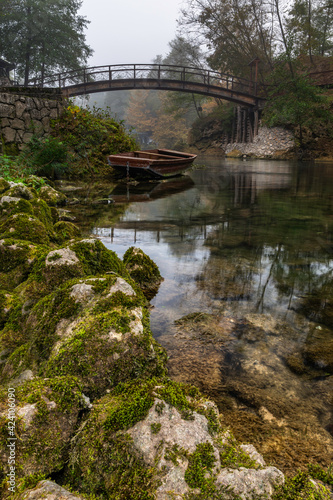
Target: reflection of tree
point(265, 245)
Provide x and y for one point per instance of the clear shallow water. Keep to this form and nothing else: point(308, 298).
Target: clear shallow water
point(250, 243)
point(249, 236)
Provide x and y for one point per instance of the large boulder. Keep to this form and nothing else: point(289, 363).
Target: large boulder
point(143, 271)
point(44, 416)
point(154, 438)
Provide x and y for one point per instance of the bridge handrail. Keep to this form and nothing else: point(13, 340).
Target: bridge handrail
point(155, 71)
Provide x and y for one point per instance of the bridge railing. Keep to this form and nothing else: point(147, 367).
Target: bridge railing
point(149, 71)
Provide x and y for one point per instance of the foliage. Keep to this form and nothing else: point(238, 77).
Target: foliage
point(294, 100)
point(141, 114)
point(90, 135)
point(309, 26)
point(12, 169)
point(235, 31)
point(46, 157)
point(25, 36)
point(220, 114)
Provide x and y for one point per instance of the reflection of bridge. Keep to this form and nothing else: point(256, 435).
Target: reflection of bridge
point(158, 77)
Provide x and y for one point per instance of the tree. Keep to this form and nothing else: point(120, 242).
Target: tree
point(140, 116)
point(294, 100)
point(236, 32)
point(43, 36)
point(309, 26)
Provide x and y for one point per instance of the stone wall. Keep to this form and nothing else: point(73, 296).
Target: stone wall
point(24, 112)
point(269, 143)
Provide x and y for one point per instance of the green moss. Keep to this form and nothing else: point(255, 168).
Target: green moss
point(64, 391)
point(22, 226)
point(43, 213)
point(51, 196)
point(66, 231)
point(95, 258)
point(4, 185)
point(317, 472)
point(45, 316)
point(30, 481)
point(116, 300)
point(143, 271)
point(175, 453)
point(155, 428)
point(44, 441)
point(301, 487)
point(111, 468)
point(233, 457)
point(8, 208)
point(17, 362)
point(19, 190)
point(199, 472)
point(13, 334)
point(129, 408)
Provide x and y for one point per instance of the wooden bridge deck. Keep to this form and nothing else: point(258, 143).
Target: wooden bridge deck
point(158, 77)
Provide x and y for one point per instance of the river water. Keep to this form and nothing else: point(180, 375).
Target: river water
point(246, 252)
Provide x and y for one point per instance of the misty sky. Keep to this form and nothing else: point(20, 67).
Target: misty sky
point(129, 31)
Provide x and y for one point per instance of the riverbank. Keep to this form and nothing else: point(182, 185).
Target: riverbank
point(93, 405)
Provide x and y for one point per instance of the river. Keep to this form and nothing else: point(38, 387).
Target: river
point(246, 251)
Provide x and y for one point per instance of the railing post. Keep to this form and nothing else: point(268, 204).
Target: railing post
point(159, 72)
point(134, 71)
point(110, 73)
point(59, 80)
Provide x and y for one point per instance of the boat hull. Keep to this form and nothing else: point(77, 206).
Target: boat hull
point(158, 163)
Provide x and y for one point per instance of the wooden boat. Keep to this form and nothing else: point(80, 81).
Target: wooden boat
point(158, 163)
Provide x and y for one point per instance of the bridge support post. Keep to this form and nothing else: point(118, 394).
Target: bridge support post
point(256, 122)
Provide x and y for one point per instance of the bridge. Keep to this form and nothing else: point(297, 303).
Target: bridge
point(157, 77)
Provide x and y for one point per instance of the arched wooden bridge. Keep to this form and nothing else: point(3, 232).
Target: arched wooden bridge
point(158, 77)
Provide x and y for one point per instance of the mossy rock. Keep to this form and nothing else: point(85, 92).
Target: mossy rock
point(6, 304)
point(43, 212)
point(88, 257)
point(148, 438)
point(51, 270)
point(4, 185)
point(10, 206)
point(51, 196)
point(302, 486)
point(109, 341)
point(46, 414)
point(143, 271)
point(22, 226)
point(46, 489)
point(96, 259)
point(13, 334)
point(19, 190)
point(235, 153)
point(16, 260)
point(34, 181)
point(66, 231)
point(106, 459)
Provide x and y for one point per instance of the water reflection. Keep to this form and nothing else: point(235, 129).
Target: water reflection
point(255, 233)
point(249, 244)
